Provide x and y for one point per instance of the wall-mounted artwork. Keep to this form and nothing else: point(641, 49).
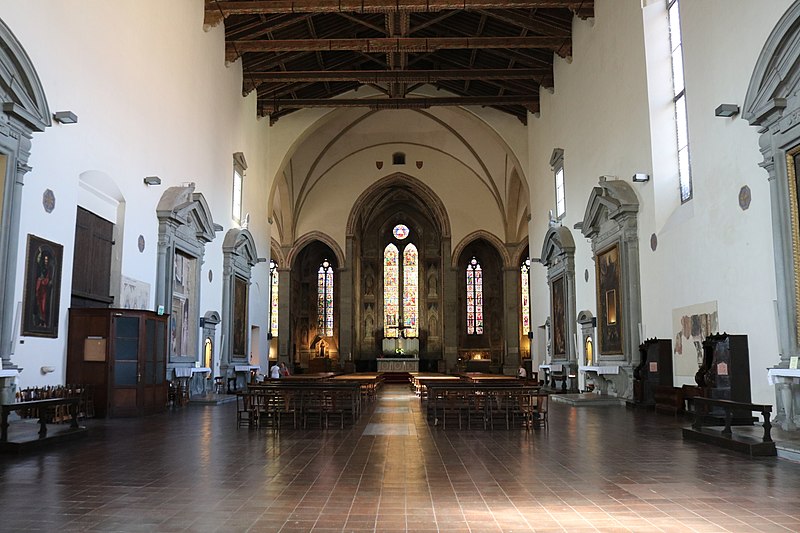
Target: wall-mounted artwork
point(134, 294)
point(609, 302)
point(240, 325)
point(559, 316)
point(690, 326)
point(42, 288)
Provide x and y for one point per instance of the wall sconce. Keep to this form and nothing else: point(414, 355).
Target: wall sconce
point(726, 110)
point(152, 180)
point(65, 117)
point(640, 177)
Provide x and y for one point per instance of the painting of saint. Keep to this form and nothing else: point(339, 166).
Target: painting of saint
point(559, 317)
point(42, 288)
point(609, 301)
point(239, 317)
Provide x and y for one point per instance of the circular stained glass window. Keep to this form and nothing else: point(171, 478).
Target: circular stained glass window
point(400, 231)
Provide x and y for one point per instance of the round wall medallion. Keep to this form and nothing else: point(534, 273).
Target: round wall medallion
point(141, 243)
point(210, 275)
point(586, 275)
point(653, 242)
point(744, 197)
point(49, 200)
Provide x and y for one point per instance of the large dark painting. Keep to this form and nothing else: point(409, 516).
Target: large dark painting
point(239, 317)
point(559, 317)
point(42, 288)
point(609, 301)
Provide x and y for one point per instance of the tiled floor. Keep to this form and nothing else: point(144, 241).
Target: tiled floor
point(594, 469)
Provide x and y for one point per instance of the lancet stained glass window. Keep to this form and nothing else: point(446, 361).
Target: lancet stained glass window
point(391, 290)
point(525, 295)
point(325, 299)
point(474, 298)
point(273, 298)
point(410, 289)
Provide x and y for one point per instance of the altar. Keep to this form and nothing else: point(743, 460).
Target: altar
point(398, 364)
point(401, 345)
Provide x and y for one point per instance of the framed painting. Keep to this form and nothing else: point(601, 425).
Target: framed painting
point(609, 301)
point(239, 317)
point(42, 288)
point(559, 317)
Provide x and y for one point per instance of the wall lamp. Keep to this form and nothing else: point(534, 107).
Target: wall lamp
point(65, 117)
point(152, 180)
point(726, 110)
point(640, 177)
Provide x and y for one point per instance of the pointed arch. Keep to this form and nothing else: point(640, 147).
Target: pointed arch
point(310, 237)
point(428, 198)
point(276, 254)
point(496, 243)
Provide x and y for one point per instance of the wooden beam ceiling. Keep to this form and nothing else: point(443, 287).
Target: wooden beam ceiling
point(398, 76)
point(257, 7)
point(273, 105)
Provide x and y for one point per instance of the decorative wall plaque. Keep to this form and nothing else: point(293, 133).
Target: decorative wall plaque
point(419, 164)
point(744, 197)
point(48, 200)
point(210, 275)
point(586, 275)
point(141, 243)
point(653, 242)
point(379, 164)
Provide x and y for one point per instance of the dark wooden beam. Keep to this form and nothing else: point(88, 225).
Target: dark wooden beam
point(399, 44)
point(273, 105)
point(258, 7)
point(526, 22)
point(400, 76)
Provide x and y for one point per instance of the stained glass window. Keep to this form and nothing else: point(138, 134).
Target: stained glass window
point(525, 295)
point(400, 231)
point(474, 298)
point(410, 289)
point(391, 290)
point(325, 300)
point(273, 298)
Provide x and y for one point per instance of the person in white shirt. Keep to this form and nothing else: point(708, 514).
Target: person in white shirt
point(522, 373)
point(275, 371)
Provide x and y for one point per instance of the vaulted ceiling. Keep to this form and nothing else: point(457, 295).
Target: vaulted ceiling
point(300, 53)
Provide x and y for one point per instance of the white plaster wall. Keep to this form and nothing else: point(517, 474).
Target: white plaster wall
point(153, 97)
point(708, 249)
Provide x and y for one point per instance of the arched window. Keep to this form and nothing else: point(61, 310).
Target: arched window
point(391, 290)
point(525, 295)
point(325, 299)
point(400, 278)
point(273, 298)
point(410, 289)
point(474, 298)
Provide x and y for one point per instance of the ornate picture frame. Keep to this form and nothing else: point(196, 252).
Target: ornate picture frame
point(42, 292)
point(558, 302)
point(609, 301)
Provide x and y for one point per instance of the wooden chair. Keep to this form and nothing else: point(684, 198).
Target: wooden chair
point(540, 415)
point(525, 408)
point(454, 405)
point(246, 411)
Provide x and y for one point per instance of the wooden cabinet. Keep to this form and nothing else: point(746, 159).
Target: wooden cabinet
point(122, 353)
point(654, 370)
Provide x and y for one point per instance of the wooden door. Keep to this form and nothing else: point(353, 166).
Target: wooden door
point(153, 361)
point(91, 269)
point(125, 399)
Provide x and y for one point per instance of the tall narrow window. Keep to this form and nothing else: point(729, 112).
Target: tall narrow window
point(474, 298)
point(239, 166)
point(557, 164)
point(391, 290)
point(325, 299)
point(524, 299)
point(679, 100)
point(273, 298)
point(400, 277)
point(410, 289)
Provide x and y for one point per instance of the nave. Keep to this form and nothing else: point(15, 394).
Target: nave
point(192, 470)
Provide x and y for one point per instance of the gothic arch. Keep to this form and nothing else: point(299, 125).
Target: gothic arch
point(372, 195)
point(488, 237)
point(276, 254)
point(310, 237)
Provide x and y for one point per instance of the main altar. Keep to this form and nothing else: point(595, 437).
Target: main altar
point(400, 354)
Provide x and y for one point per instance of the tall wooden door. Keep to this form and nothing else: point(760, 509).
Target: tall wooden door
point(91, 269)
point(152, 390)
point(126, 375)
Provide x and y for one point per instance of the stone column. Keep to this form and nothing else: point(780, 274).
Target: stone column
point(511, 292)
point(346, 303)
point(449, 299)
point(284, 318)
